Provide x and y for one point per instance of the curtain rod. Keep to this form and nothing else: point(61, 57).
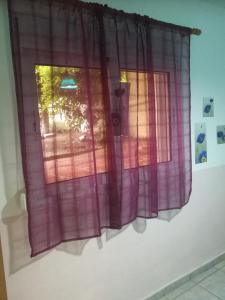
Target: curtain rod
point(113, 11)
point(194, 31)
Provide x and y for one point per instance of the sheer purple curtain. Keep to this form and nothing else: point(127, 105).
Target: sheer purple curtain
point(104, 111)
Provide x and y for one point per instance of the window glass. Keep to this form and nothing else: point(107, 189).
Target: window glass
point(72, 121)
point(67, 116)
point(140, 127)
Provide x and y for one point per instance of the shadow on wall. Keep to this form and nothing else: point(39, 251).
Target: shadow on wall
point(19, 247)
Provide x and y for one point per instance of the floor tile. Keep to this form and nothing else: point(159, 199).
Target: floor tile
point(215, 284)
point(197, 293)
point(180, 290)
point(199, 277)
point(207, 285)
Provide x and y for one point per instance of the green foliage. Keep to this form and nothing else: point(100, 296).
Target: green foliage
point(123, 76)
point(72, 104)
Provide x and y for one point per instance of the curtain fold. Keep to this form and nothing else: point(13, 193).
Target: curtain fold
point(104, 112)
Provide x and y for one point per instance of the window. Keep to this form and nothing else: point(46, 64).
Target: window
point(67, 131)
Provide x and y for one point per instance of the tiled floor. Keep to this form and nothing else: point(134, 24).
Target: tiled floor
point(209, 285)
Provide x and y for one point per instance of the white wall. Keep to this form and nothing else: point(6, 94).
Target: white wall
point(129, 266)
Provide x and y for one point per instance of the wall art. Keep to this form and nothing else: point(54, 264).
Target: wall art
point(220, 131)
point(200, 143)
point(208, 107)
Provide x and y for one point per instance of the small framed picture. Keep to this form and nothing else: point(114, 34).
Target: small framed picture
point(200, 143)
point(208, 107)
point(220, 131)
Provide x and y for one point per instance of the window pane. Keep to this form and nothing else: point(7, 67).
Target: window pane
point(136, 140)
point(161, 83)
point(70, 115)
